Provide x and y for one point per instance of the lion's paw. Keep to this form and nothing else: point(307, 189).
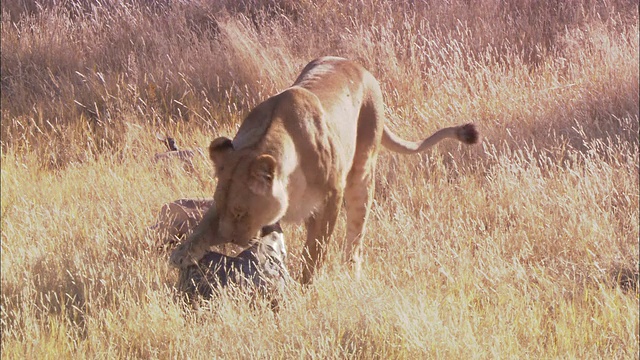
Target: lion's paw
point(181, 257)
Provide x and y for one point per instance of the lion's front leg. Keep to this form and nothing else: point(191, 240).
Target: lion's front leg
point(319, 228)
point(185, 255)
point(198, 243)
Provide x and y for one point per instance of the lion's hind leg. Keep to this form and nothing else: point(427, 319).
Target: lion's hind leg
point(358, 196)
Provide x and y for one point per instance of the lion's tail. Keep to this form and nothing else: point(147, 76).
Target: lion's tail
point(467, 134)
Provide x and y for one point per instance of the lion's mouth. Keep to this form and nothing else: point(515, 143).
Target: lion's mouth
point(266, 230)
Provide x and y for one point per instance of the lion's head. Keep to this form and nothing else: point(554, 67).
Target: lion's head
point(249, 194)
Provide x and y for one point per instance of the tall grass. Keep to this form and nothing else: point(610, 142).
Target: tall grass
point(523, 246)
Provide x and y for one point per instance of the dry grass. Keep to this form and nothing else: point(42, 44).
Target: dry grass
point(523, 247)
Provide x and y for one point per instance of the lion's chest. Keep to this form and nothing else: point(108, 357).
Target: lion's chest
point(303, 199)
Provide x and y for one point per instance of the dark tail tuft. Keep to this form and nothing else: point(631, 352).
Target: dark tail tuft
point(468, 134)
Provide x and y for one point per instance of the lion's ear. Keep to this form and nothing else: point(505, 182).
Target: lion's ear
point(262, 173)
point(218, 150)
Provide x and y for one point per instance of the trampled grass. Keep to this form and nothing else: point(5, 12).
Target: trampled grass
point(525, 246)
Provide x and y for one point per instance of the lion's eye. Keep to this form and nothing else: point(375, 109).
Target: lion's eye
point(239, 214)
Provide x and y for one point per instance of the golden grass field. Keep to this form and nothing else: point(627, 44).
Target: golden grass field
point(524, 246)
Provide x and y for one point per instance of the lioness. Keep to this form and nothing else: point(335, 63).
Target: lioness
point(298, 154)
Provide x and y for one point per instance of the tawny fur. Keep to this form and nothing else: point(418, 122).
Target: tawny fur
point(176, 221)
point(177, 218)
point(296, 157)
